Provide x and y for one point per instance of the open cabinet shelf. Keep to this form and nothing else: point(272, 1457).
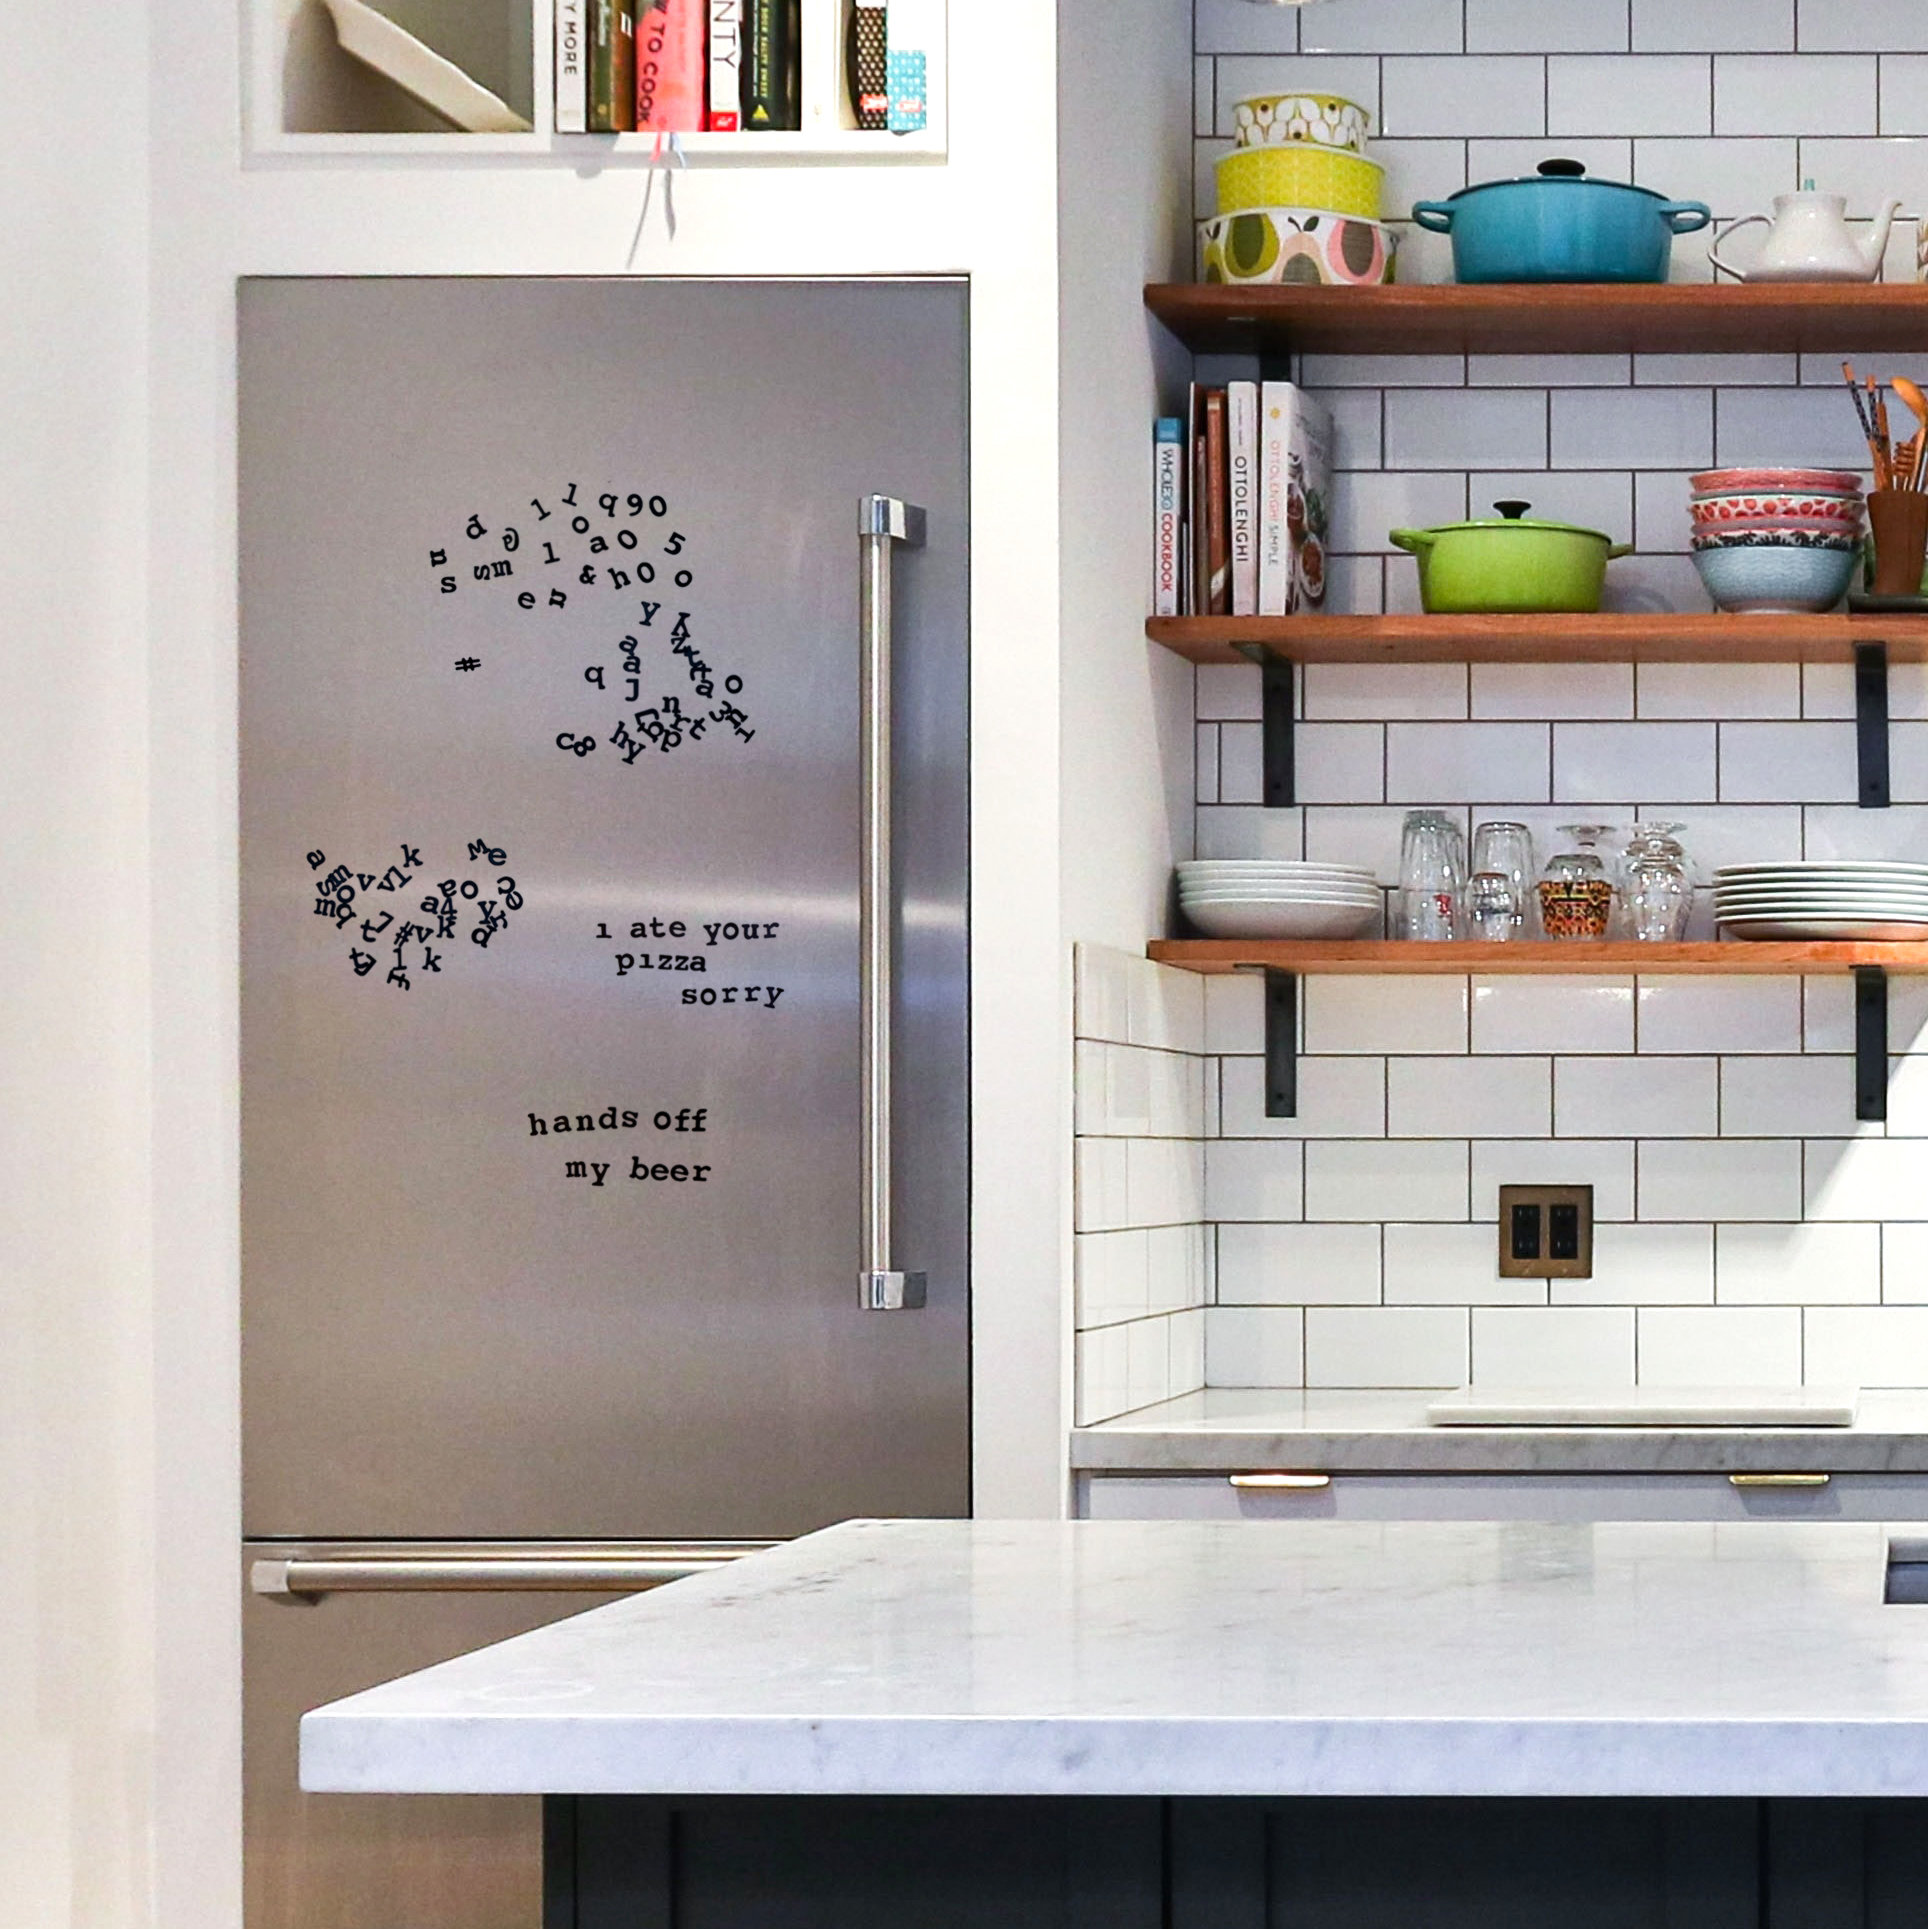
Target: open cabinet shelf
point(307, 98)
point(1608, 637)
point(1548, 957)
point(1547, 319)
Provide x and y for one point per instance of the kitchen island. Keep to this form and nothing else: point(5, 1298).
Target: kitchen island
point(1335, 1725)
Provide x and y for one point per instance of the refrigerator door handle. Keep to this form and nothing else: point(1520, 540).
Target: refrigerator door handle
point(884, 523)
point(303, 1580)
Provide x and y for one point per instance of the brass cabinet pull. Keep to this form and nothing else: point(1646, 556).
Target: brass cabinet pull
point(1281, 1483)
point(1778, 1480)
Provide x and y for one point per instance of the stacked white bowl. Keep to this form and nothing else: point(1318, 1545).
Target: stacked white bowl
point(1278, 898)
point(1823, 900)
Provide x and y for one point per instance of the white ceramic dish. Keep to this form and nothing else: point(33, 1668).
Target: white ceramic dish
point(1815, 870)
point(1251, 896)
point(1267, 866)
point(1801, 930)
point(377, 42)
point(1228, 918)
point(1894, 894)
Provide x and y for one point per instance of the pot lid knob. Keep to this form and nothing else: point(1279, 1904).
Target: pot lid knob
point(1563, 170)
point(1512, 511)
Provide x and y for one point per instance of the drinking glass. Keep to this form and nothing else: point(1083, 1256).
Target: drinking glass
point(1508, 849)
point(1492, 908)
point(1576, 889)
point(1432, 876)
point(1659, 886)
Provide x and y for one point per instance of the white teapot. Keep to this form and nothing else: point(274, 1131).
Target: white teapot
point(1809, 240)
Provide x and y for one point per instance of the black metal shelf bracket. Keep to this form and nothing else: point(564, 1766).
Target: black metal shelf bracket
point(1870, 1042)
point(1871, 726)
point(1281, 1040)
point(1280, 705)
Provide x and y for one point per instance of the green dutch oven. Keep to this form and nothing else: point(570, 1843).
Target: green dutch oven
point(1514, 564)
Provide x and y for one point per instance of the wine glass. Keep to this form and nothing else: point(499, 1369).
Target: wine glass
point(1576, 888)
point(1660, 885)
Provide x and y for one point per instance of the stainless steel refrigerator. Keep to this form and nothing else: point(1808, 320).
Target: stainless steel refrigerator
point(603, 980)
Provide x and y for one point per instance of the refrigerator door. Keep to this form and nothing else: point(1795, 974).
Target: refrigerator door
point(376, 1862)
point(550, 837)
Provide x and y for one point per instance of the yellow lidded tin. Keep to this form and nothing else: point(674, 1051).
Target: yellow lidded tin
point(1300, 175)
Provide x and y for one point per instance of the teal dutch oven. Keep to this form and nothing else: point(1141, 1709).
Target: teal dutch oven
point(1558, 225)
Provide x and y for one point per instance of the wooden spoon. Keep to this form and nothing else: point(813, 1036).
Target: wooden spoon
point(1917, 404)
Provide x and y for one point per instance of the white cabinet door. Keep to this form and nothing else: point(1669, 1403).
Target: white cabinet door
point(1522, 1496)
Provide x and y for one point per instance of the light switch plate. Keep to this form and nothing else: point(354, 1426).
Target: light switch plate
point(1563, 1218)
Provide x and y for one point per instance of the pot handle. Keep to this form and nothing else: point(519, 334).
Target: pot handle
point(1616, 550)
point(1686, 217)
point(1414, 539)
point(1435, 216)
point(1713, 253)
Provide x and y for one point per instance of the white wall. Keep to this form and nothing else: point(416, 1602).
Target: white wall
point(76, 1710)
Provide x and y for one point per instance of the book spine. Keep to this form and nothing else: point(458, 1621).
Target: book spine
point(669, 67)
point(1275, 553)
point(572, 73)
point(1310, 528)
point(911, 29)
point(612, 68)
point(870, 67)
point(1218, 555)
point(820, 59)
point(726, 66)
point(1242, 494)
point(768, 88)
point(1167, 530)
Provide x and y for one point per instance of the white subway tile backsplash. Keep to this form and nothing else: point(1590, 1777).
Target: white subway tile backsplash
point(1713, 26)
point(1369, 505)
point(1322, 372)
point(1177, 1276)
point(1384, 1014)
point(1865, 1179)
point(1635, 1265)
point(1205, 765)
point(1254, 1346)
point(1719, 834)
point(1339, 1098)
point(1357, 424)
point(1166, 1007)
point(1437, 764)
point(1365, 835)
point(1467, 428)
point(1102, 989)
point(1147, 1363)
point(1869, 171)
point(1390, 692)
point(1385, 1346)
point(1877, 25)
point(1103, 1375)
point(1254, 1179)
point(1867, 1346)
point(1356, 585)
point(1595, 499)
point(1540, 371)
point(1521, 690)
point(1370, 26)
point(1764, 424)
point(1899, 835)
point(1298, 1265)
point(1719, 690)
point(1165, 1181)
point(1249, 830)
point(1235, 1012)
point(1236, 27)
point(1904, 1265)
point(1354, 1180)
point(1103, 1201)
point(1638, 94)
point(1594, 763)
point(1337, 763)
point(1112, 1277)
point(1628, 1097)
point(1720, 1346)
point(1228, 692)
point(1904, 94)
point(1418, 171)
point(1187, 1332)
point(1546, 1346)
point(1497, 95)
point(1432, 1098)
point(1907, 1092)
point(1719, 1014)
point(1713, 1179)
point(1607, 1165)
point(1796, 1097)
point(1655, 583)
point(1552, 1015)
point(1733, 177)
point(1658, 428)
point(1800, 1265)
point(1810, 763)
point(1712, 371)
point(1827, 1016)
point(1510, 157)
point(1794, 94)
point(1452, 1266)
point(1546, 26)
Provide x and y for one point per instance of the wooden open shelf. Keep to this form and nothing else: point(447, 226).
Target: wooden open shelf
point(1610, 637)
point(1548, 318)
point(1573, 958)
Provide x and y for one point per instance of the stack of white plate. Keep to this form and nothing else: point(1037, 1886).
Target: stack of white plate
point(1278, 898)
point(1823, 900)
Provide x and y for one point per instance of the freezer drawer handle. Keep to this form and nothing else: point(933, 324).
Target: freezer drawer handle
point(306, 1580)
point(1282, 1483)
point(884, 523)
point(1778, 1480)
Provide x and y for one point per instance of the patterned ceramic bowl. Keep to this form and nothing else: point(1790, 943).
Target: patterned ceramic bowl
point(1814, 506)
point(1776, 536)
point(1777, 579)
point(1323, 120)
point(1727, 482)
point(1300, 175)
point(1310, 245)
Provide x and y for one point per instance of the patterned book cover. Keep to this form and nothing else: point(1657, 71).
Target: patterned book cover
point(870, 67)
point(726, 66)
point(670, 47)
point(612, 68)
point(1218, 552)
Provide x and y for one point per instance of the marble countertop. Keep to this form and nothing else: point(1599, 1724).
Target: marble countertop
point(1227, 1431)
point(1187, 1657)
